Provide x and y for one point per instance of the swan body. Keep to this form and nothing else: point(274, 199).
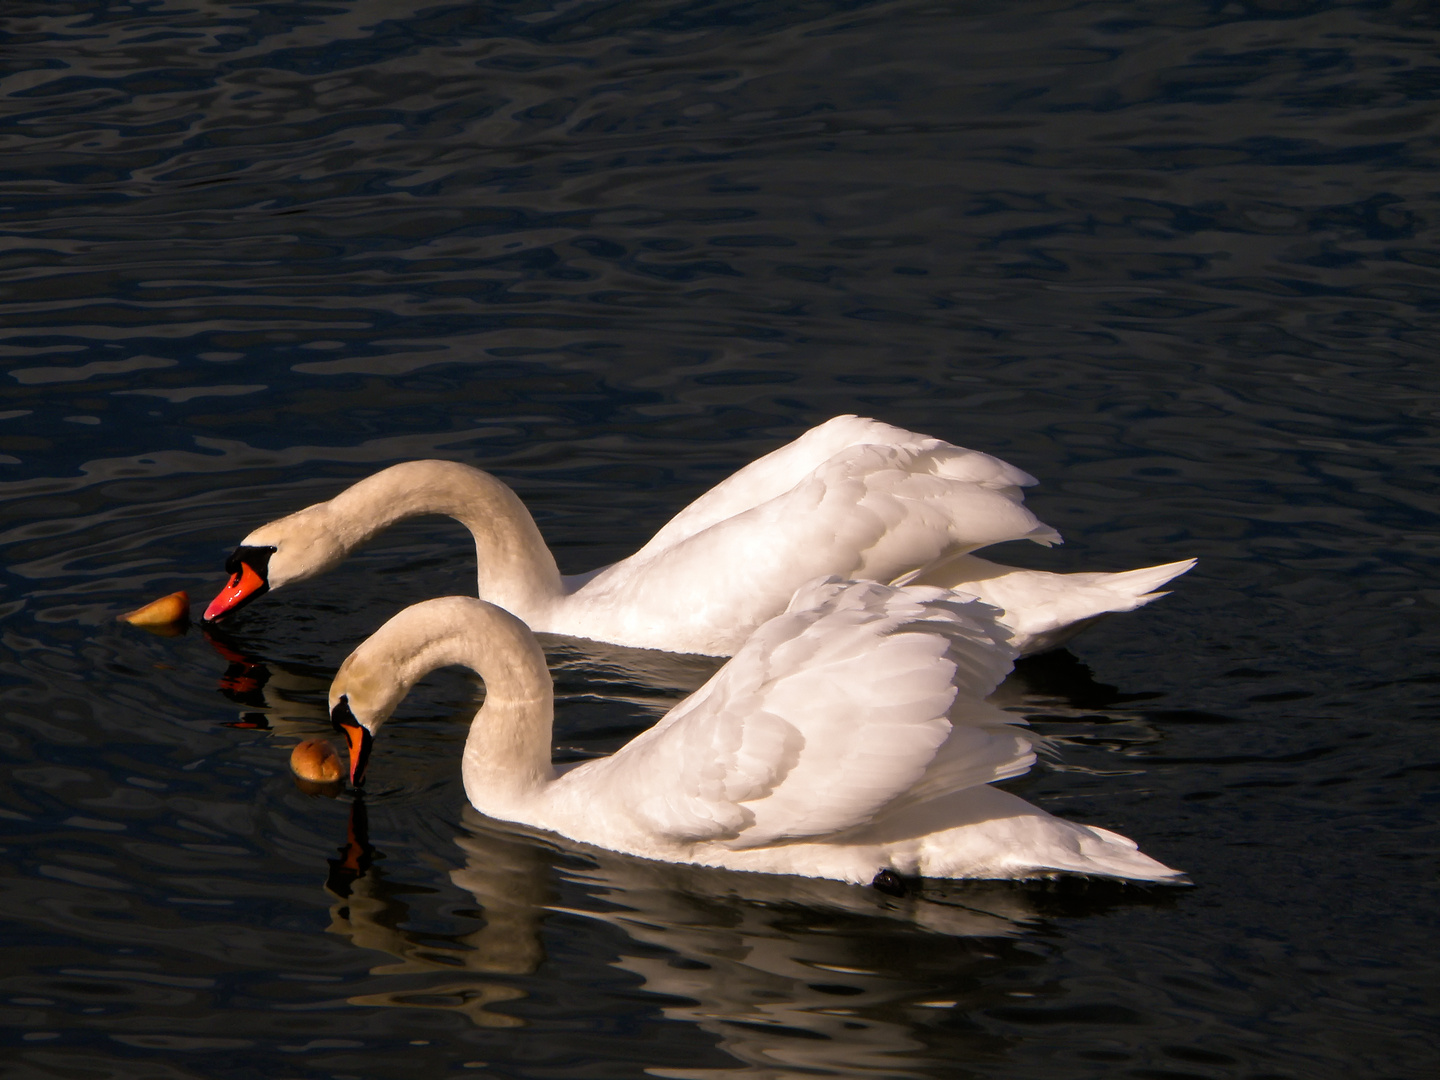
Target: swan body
point(847, 736)
point(852, 497)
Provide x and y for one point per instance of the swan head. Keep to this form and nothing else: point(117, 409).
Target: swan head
point(291, 549)
point(362, 697)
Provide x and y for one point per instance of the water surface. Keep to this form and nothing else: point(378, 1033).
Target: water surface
point(1174, 258)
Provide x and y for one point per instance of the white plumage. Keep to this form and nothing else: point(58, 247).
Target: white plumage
point(853, 497)
point(847, 735)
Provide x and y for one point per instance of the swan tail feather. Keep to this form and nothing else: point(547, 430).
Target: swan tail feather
point(1141, 585)
point(1042, 609)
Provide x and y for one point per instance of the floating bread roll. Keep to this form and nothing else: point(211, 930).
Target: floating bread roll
point(168, 611)
point(315, 760)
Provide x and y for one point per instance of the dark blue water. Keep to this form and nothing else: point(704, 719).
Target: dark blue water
point(1177, 259)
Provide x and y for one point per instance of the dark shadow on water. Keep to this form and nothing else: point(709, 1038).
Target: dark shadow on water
point(1069, 896)
point(1061, 674)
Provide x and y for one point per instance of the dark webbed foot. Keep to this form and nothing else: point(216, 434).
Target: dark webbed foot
point(890, 883)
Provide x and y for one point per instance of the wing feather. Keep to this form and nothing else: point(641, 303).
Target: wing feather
point(777, 472)
point(858, 696)
point(869, 511)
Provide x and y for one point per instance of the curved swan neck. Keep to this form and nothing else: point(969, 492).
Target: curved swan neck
point(507, 752)
point(514, 566)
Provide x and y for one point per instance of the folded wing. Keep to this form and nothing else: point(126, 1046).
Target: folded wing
point(869, 511)
point(858, 696)
point(774, 474)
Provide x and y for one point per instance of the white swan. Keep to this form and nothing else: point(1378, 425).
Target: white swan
point(847, 737)
point(853, 497)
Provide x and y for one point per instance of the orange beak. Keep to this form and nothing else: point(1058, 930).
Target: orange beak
point(244, 584)
point(357, 739)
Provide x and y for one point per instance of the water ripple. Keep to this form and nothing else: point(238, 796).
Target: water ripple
point(1172, 258)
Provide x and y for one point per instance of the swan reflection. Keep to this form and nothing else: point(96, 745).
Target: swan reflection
point(787, 973)
point(370, 910)
point(271, 694)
